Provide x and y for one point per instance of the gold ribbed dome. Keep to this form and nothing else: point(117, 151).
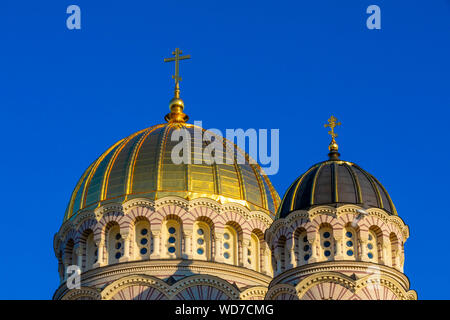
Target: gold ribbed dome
point(140, 166)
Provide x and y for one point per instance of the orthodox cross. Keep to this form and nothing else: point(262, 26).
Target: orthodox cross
point(332, 124)
point(178, 56)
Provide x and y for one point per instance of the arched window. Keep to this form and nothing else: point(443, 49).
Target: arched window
point(394, 250)
point(114, 244)
point(372, 246)
point(172, 239)
point(302, 247)
point(230, 245)
point(60, 265)
point(281, 252)
point(142, 243)
point(253, 252)
point(350, 243)
point(91, 252)
point(70, 257)
point(202, 241)
point(327, 243)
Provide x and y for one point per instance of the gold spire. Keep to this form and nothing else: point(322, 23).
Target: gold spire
point(333, 146)
point(176, 104)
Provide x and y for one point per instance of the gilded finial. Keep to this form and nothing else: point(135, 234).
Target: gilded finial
point(333, 146)
point(176, 104)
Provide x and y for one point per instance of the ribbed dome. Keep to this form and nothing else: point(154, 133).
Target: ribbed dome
point(335, 182)
point(140, 166)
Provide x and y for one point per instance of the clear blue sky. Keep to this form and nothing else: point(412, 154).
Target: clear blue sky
point(67, 95)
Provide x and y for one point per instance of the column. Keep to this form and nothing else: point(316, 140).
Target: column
point(100, 254)
point(384, 256)
point(290, 254)
point(246, 245)
point(339, 247)
point(156, 237)
point(79, 252)
point(313, 243)
point(240, 250)
point(364, 251)
point(187, 252)
point(126, 248)
point(218, 256)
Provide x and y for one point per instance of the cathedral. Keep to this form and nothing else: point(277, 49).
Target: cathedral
point(141, 227)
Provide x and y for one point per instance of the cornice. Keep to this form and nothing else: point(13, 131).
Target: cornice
point(339, 266)
point(126, 207)
point(204, 268)
point(335, 212)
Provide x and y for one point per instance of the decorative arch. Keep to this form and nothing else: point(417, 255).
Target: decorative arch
point(84, 293)
point(332, 279)
point(254, 293)
point(108, 219)
point(166, 210)
point(281, 291)
point(204, 287)
point(139, 287)
point(200, 211)
point(72, 234)
point(88, 224)
point(135, 214)
point(337, 286)
point(256, 223)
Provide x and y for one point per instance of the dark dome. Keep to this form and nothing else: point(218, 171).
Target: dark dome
point(335, 182)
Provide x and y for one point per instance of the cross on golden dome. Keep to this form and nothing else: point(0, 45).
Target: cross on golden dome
point(176, 104)
point(333, 147)
point(178, 57)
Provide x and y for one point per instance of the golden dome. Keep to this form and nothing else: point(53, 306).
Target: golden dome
point(140, 166)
